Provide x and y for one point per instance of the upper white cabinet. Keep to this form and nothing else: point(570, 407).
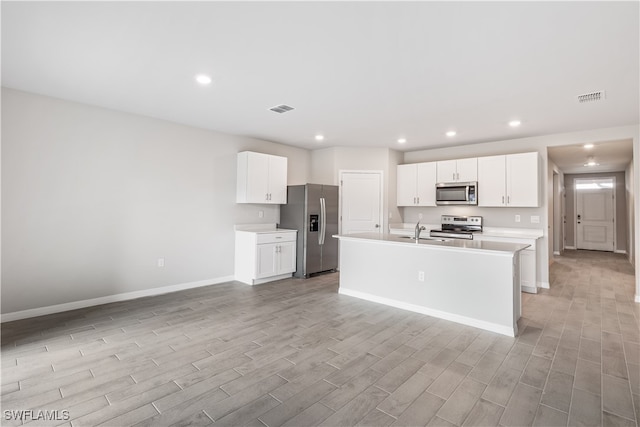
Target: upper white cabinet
point(416, 185)
point(262, 178)
point(492, 181)
point(510, 180)
point(461, 170)
point(522, 180)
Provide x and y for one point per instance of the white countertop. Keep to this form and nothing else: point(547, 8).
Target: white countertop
point(454, 244)
point(514, 233)
point(261, 228)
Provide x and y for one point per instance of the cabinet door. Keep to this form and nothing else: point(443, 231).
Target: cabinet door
point(528, 271)
point(467, 170)
point(286, 257)
point(277, 180)
point(406, 185)
point(522, 180)
point(266, 260)
point(446, 171)
point(492, 181)
point(257, 169)
point(426, 184)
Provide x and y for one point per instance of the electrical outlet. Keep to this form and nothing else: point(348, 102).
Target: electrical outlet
point(160, 262)
point(260, 214)
point(421, 276)
point(420, 216)
point(390, 215)
point(517, 218)
point(535, 219)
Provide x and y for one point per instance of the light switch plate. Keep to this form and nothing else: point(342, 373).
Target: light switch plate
point(535, 219)
point(517, 218)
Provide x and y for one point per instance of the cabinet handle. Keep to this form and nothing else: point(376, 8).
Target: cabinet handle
point(266, 196)
point(508, 200)
point(503, 200)
point(458, 176)
point(454, 176)
point(414, 200)
point(418, 200)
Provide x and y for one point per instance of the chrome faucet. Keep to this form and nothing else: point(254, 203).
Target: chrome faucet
point(419, 228)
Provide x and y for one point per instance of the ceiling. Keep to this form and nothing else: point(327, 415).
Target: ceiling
point(611, 156)
point(359, 73)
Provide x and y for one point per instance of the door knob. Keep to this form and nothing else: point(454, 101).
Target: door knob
point(377, 225)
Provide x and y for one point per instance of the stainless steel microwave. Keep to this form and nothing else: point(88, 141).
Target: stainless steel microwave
point(457, 193)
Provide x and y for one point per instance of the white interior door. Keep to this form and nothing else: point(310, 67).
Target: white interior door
point(361, 201)
point(595, 214)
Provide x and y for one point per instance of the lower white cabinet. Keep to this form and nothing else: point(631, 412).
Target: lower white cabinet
point(528, 269)
point(262, 257)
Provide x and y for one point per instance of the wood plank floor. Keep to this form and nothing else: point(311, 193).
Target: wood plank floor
point(296, 353)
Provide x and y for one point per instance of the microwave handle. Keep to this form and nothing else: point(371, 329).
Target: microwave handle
point(467, 191)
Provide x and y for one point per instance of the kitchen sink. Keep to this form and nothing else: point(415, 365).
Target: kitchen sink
point(424, 238)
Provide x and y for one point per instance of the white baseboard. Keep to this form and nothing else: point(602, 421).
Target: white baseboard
point(544, 285)
point(620, 251)
point(573, 248)
point(637, 298)
point(557, 253)
point(493, 327)
point(59, 308)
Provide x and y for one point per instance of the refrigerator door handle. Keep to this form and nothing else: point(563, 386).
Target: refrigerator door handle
point(323, 221)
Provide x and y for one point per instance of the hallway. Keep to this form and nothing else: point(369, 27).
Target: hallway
point(590, 314)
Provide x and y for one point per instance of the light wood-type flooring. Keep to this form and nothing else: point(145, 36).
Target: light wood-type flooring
point(297, 353)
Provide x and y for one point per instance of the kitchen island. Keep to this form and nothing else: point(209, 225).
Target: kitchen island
point(466, 281)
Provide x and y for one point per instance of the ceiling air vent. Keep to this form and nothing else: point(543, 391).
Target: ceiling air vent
point(591, 97)
point(281, 108)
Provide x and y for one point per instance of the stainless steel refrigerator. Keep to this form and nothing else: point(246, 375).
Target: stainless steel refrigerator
point(312, 209)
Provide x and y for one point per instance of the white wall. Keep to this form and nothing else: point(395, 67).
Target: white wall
point(327, 163)
point(91, 198)
point(630, 197)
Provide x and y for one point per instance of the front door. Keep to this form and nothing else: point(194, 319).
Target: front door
point(594, 214)
point(361, 201)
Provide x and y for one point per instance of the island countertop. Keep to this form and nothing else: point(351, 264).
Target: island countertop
point(473, 282)
point(446, 244)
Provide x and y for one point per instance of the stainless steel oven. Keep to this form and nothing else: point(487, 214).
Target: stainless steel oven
point(457, 193)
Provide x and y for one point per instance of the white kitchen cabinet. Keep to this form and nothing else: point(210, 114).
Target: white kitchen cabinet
point(460, 170)
point(261, 178)
point(527, 261)
point(528, 281)
point(522, 180)
point(492, 181)
point(416, 184)
point(262, 257)
point(508, 180)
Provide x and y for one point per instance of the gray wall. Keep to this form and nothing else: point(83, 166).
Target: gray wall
point(327, 163)
point(621, 208)
point(91, 198)
point(629, 191)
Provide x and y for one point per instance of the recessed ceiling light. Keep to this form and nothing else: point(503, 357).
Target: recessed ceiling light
point(203, 79)
point(588, 146)
point(402, 141)
point(451, 133)
point(514, 123)
point(591, 162)
point(319, 137)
